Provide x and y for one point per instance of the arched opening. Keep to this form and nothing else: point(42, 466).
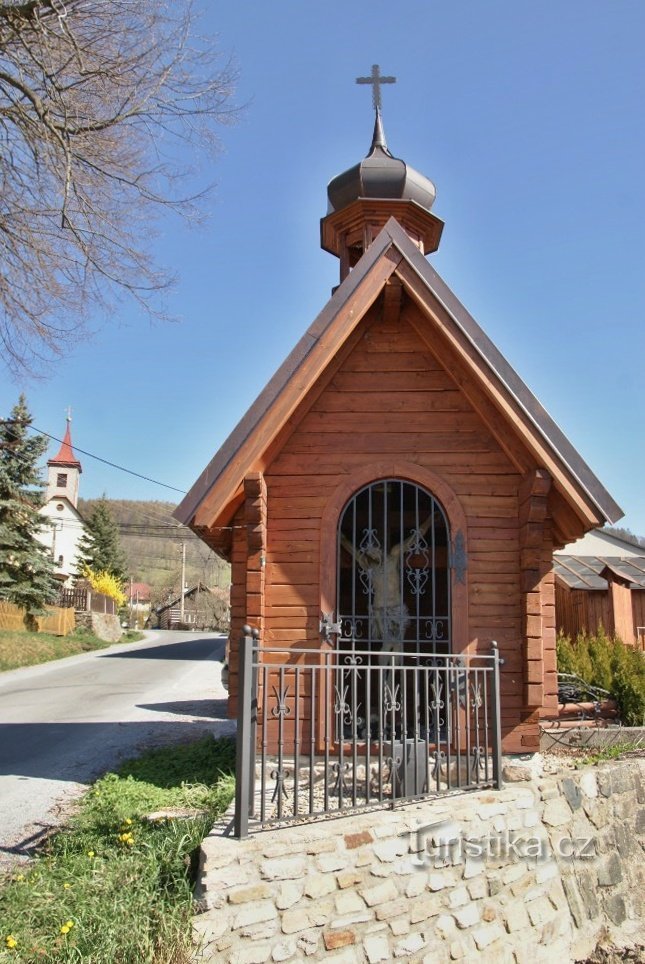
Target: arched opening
point(393, 571)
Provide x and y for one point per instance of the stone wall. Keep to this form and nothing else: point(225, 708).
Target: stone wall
point(531, 873)
point(103, 625)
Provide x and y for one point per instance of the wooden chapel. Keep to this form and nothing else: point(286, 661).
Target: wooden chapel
point(396, 435)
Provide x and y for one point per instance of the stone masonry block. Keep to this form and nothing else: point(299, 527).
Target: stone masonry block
point(376, 949)
point(288, 895)
point(287, 868)
point(467, 916)
point(319, 885)
point(373, 896)
point(255, 913)
point(335, 939)
point(487, 934)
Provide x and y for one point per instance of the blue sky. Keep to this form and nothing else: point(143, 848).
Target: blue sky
point(530, 118)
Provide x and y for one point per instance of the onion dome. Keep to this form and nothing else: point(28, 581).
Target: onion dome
point(380, 175)
point(363, 199)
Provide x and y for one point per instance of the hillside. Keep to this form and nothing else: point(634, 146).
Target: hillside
point(152, 539)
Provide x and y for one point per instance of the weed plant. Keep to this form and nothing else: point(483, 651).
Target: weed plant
point(604, 661)
point(114, 886)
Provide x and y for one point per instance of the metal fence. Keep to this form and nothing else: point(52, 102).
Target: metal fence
point(321, 731)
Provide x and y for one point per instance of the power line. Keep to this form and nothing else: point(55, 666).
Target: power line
point(113, 465)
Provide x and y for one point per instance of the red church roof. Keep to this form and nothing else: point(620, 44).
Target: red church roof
point(66, 454)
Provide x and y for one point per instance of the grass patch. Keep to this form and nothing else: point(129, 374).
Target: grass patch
point(112, 887)
point(18, 648)
point(612, 752)
point(132, 636)
point(28, 649)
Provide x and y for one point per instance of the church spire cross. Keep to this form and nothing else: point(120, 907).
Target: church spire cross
point(375, 79)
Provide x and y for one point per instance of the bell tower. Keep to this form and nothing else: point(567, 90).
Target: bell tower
point(63, 470)
point(381, 186)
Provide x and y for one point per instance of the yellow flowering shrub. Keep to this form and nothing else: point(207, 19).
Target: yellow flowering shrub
point(107, 584)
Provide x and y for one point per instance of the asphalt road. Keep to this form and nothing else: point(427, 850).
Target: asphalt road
point(64, 723)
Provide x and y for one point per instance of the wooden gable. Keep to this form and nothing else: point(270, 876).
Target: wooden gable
point(392, 267)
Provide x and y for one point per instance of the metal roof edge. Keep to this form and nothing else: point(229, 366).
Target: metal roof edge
point(269, 394)
point(517, 388)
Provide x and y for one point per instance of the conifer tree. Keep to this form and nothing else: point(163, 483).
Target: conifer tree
point(26, 567)
point(100, 547)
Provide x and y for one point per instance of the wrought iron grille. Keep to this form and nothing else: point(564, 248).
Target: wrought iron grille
point(393, 586)
point(322, 731)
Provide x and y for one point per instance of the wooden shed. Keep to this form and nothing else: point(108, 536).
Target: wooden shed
point(601, 591)
point(396, 487)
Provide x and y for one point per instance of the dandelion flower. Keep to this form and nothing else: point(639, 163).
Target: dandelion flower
point(10, 941)
point(127, 821)
point(66, 886)
point(65, 929)
point(90, 853)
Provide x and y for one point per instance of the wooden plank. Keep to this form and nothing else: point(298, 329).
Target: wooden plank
point(437, 401)
point(364, 382)
point(460, 423)
point(414, 360)
point(282, 595)
point(451, 465)
point(390, 445)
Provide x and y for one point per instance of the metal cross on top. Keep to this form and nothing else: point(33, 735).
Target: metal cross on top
point(375, 79)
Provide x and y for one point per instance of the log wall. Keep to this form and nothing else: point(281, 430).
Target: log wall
point(390, 398)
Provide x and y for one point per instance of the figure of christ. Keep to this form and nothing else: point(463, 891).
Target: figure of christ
point(388, 614)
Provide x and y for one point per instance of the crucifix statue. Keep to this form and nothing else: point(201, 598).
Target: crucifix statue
point(383, 583)
point(375, 79)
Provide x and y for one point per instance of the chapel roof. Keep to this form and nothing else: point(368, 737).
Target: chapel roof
point(392, 253)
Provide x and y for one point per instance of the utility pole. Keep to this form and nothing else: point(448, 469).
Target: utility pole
point(183, 581)
point(56, 527)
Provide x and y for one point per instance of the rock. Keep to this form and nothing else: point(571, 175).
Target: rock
point(486, 934)
point(288, 895)
point(256, 913)
point(467, 916)
point(374, 896)
point(285, 868)
point(353, 840)
point(376, 949)
point(283, 951)
point(516, 773)
point(319, 885)
point(556, 812)
point(409, 945)
point(241, 895)
point(335, 939)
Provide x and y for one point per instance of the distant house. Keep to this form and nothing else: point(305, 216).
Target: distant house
point(63, 526)
point(138, 594)
point(138, 603)
point(600, 581)
point(202, 609)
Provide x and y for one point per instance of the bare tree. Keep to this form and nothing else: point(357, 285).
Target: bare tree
point(100, 103)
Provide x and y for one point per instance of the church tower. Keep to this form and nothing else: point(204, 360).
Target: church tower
point(63, 471)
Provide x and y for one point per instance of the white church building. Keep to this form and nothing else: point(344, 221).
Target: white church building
point(64, 527)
